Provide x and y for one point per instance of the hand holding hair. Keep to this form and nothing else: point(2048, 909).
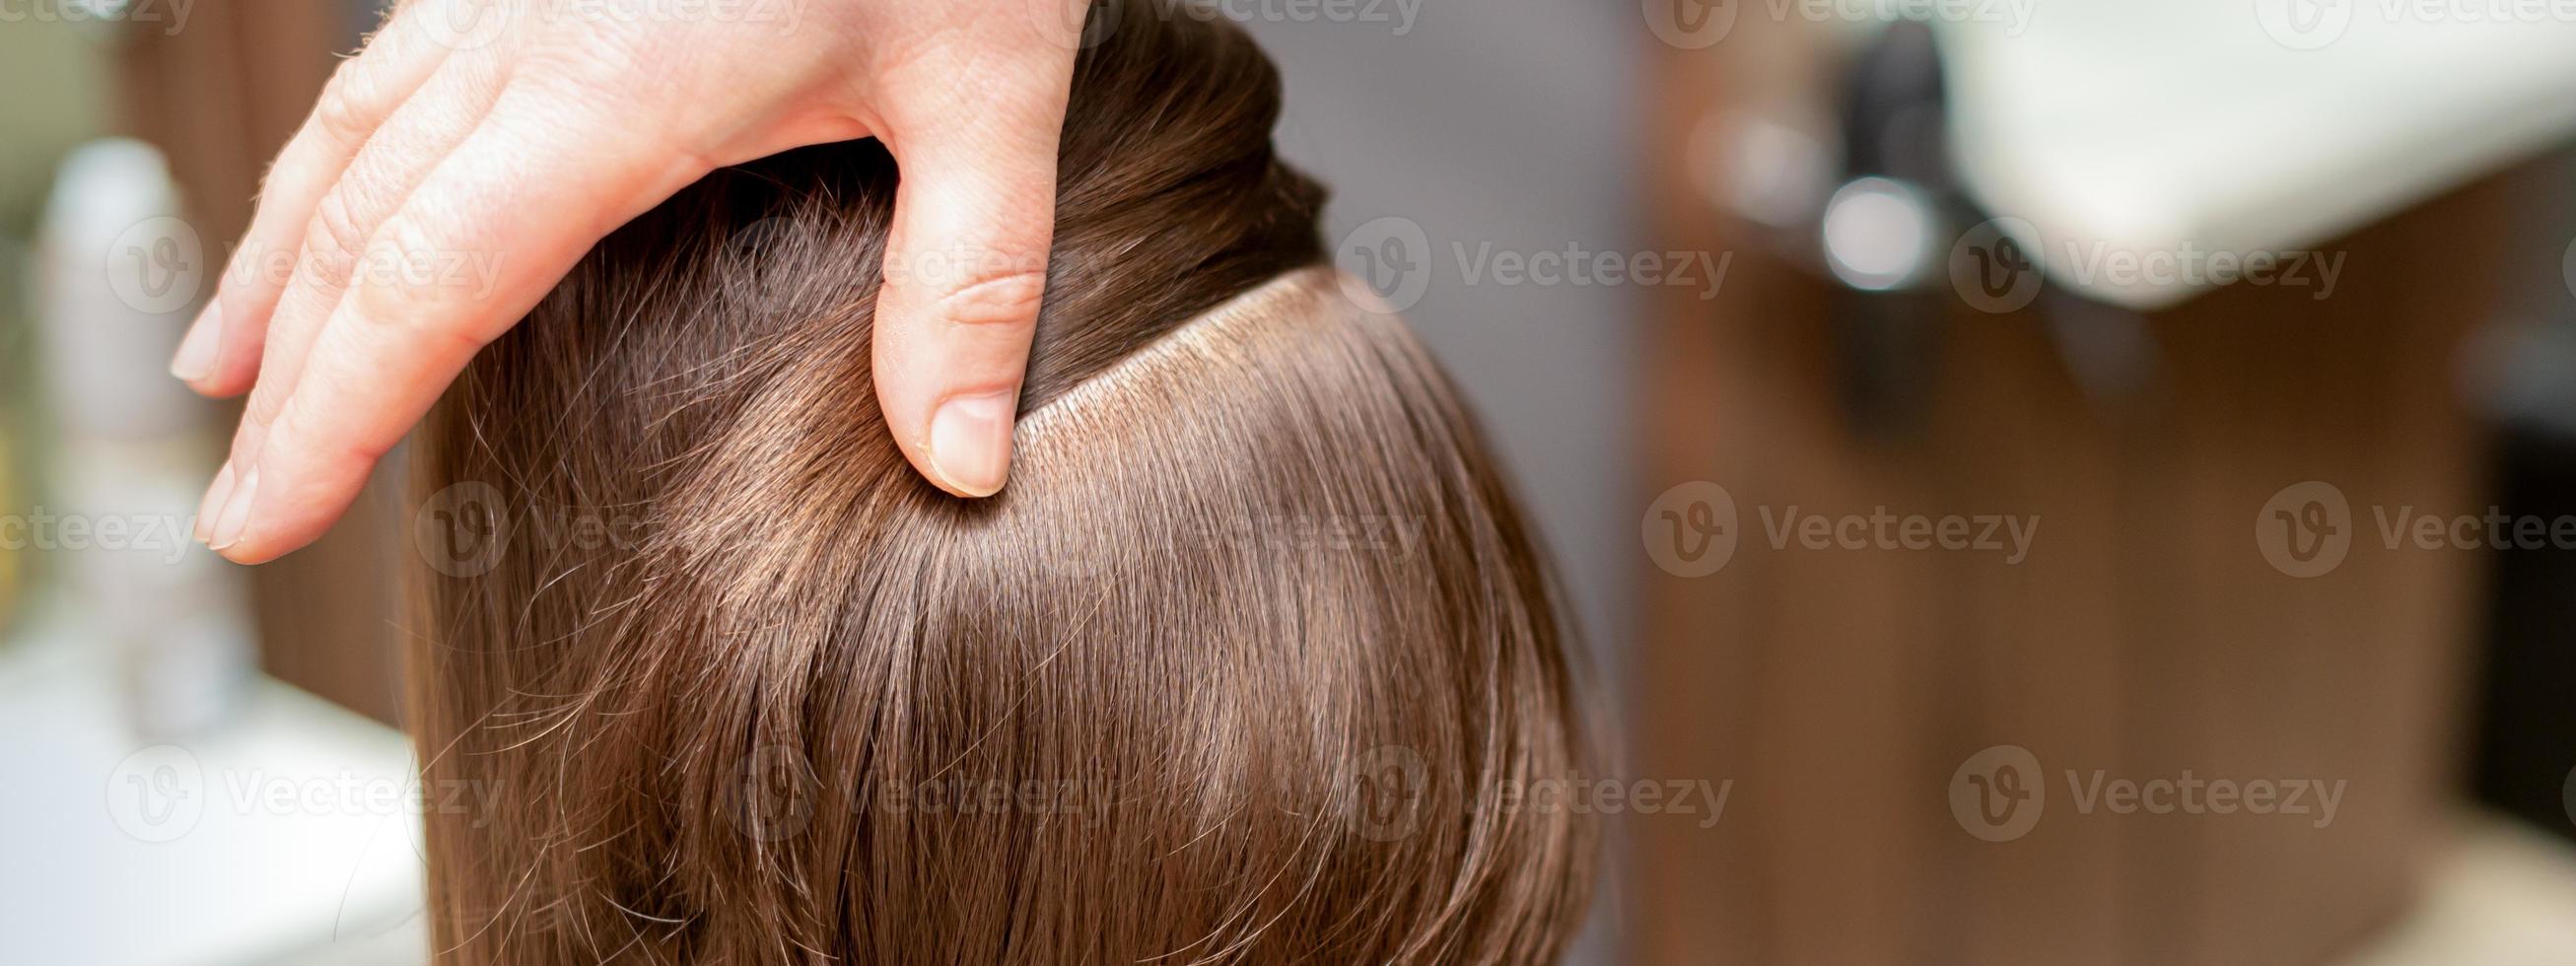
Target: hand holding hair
point(1257, 661)
point(461, 164)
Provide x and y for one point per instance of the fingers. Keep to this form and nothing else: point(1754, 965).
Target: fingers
point(370, 185)
point(411, 143)
point(221, 354)
point(965, 272)
point(494, 226)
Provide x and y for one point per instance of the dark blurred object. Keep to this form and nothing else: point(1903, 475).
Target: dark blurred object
point(2526, 761)
point(2522, 370)
point(1894, 160)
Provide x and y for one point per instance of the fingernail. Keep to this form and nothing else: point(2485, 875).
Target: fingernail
point(228, 531)
point(212, 507)
point(970, 441)
point(196, 358)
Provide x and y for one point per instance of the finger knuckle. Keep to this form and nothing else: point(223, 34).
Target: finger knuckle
point(1011, 297)
point(418, 295)
point(301, 427)
point(333, 238)
point(267, 400)
point(345, 112)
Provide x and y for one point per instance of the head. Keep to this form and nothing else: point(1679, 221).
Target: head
point(1249, 663)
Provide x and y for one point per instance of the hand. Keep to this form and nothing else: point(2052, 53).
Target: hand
point(456, 169)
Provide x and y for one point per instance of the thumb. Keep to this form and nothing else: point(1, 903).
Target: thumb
point(965, 271)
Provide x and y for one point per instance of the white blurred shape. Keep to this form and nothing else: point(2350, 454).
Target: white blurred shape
point(1877, 234)
point(2243, 126)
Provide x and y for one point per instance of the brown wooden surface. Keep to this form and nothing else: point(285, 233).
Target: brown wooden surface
point(2145, 635)
point(220, 97)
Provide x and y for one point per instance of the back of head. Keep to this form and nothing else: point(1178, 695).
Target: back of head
point(1251, 662)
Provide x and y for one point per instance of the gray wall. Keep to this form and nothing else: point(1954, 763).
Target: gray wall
point(1508, 122)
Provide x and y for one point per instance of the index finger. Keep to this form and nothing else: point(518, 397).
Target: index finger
point(503, 219)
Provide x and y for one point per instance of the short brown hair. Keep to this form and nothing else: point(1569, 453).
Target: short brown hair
point(1244, 666)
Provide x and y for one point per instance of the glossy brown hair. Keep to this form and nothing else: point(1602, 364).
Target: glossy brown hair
point(1252, 662)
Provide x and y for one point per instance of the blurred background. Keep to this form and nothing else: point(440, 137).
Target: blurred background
point(2044, 481)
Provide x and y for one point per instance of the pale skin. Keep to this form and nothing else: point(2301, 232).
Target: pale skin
point(456, 169)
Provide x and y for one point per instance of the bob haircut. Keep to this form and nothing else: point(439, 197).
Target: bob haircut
point(1252, 662)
